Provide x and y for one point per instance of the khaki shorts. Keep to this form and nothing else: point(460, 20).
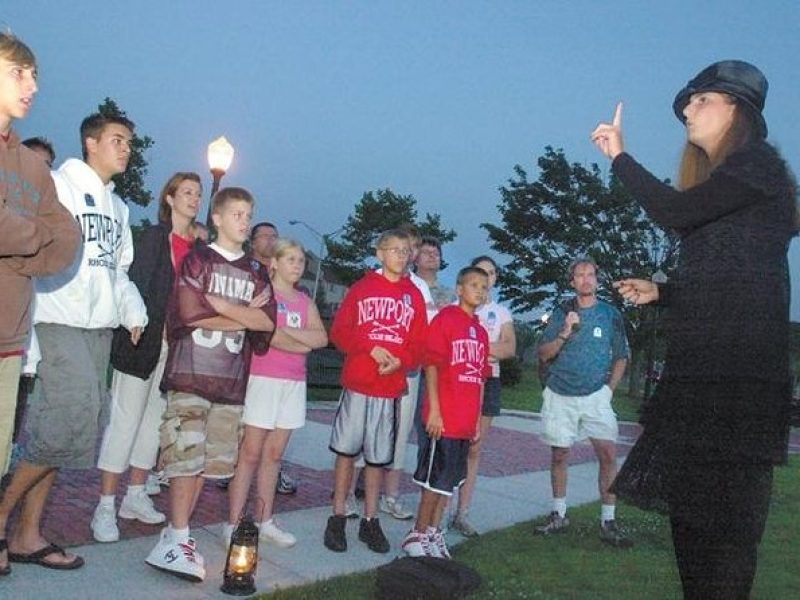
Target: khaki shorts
point(568, 419)
point(199, 437)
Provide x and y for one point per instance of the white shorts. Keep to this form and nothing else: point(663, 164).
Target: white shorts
point(567, 419)
point(274, 403)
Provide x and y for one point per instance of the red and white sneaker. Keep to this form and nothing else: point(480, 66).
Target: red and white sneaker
point(178, 558)
point(417, 544)
point(436, 537)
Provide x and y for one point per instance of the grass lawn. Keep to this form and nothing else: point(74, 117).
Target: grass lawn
point(577, 566)
point(526, 395)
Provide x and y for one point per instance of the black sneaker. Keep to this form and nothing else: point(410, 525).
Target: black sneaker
point(370, 532)
point(613, 535)
point(334, 534)
point(286, 485)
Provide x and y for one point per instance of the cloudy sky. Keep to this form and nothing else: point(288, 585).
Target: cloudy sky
point(324, 100)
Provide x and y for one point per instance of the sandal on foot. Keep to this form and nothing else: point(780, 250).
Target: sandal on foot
point(7, 569)
point(38, 558)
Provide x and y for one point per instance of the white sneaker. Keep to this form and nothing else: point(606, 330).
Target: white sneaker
point(151, 486)
point(270, 532)
point(351, 507)
point(438, 544)
point(416, 544)
point(104, 524)
point(394, 507)
point(139, 506)
point(227, 534)
point(180, 559)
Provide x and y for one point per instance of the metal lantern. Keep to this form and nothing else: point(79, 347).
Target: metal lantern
point(242, 559)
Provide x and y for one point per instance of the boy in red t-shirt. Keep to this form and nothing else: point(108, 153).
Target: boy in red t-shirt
point(380, 327)
point(456, 365)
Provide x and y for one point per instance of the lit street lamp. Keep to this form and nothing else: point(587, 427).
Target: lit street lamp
point(220, 157)
point(323, 246)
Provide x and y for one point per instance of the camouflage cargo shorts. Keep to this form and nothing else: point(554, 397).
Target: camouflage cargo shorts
point(199, 437)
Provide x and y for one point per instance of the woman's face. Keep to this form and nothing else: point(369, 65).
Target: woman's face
point(490, 270)
point(186, 200)
point(709, 115)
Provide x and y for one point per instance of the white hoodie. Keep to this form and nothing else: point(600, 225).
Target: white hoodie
point(94, 292)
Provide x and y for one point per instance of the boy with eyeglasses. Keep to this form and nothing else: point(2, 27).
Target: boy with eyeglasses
point(380, 328)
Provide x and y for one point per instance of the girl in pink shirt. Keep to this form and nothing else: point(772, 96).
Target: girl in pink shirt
point(275, 403)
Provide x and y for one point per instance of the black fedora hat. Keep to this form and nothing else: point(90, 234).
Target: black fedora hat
point(735, 77)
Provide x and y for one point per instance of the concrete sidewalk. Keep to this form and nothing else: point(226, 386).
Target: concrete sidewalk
point(513, 486)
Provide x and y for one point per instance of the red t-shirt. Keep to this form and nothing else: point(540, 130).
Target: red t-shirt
point(379, 312)
point(212, 364)
point(180, 248)
point(458, 346)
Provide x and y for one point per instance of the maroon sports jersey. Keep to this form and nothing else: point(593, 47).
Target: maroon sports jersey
point(213, 364)
point(458, 346)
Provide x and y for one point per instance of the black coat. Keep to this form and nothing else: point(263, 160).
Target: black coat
point(153, 274)
point(725, 392)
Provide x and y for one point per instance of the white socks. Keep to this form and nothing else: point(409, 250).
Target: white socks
point(107, 501)
point(607, 512)
point(560, 506)
point(179, 535)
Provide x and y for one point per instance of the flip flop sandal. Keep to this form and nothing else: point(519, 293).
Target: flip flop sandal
point(38, 558)
point(7, 569)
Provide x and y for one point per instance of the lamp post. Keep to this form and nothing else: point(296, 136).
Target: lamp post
point(220, 157)
point(323, 245)
point(658, 277)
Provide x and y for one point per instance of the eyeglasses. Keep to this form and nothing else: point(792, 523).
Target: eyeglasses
point(402, 252)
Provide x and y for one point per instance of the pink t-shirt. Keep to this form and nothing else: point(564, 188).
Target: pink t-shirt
point(276, 363)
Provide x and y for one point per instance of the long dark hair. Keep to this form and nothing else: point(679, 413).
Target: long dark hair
point(696, 165)
point(164, 209)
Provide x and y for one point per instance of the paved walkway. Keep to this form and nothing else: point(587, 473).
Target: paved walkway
point(513, 487)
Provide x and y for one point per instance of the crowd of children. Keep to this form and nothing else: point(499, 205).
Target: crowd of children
point(186, 327)
point(206, 341)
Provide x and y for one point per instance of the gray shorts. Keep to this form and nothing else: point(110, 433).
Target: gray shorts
point(63, 420)
point(365, 424)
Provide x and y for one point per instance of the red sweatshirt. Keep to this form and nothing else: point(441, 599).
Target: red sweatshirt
point(379, 312)
point(458, 346)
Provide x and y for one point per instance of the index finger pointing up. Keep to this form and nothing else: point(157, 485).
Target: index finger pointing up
point(617, 121)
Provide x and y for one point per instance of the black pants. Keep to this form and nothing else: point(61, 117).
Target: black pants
point(718, 513)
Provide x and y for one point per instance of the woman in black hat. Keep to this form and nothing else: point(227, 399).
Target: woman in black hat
point(718, 421)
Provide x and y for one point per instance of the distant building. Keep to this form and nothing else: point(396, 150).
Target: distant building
point(330, 292)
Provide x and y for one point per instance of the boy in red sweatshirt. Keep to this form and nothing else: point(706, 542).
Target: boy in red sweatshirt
point(380, 327)
point(456, 365)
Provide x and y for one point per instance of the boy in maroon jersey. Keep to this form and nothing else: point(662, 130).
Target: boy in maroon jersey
point(456, 365)
point(380, 327)
point(221, 309)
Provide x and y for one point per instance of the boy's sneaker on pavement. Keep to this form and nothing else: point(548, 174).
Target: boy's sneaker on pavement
point(394, 507)
point(438, 543)
point(613, 535)
point(370, 532)
point(178, 558)
point(462, 526)
point(286, 485)
point(139, 506)
point(417, 544)
point(334, 533)
point(270, 532)
point(555, 524)
point(104, 524)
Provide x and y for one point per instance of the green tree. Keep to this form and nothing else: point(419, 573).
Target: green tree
point(130, 184)
point(376, 212)
point(570, 211)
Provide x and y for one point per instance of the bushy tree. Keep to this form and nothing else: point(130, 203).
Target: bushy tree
point(571, 211)
point(377, 211)
point(130, 184)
